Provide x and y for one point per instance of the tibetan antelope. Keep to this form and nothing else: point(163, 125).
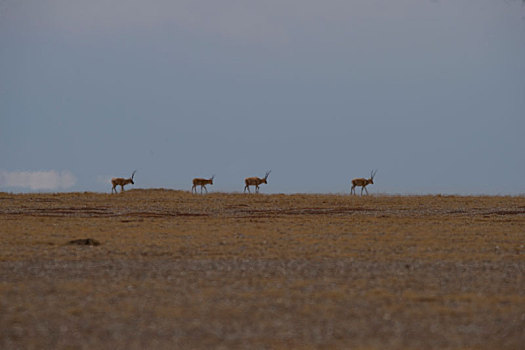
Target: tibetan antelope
point(202, 183)
point(255, 181)
point(120, 181)
point(363, 183)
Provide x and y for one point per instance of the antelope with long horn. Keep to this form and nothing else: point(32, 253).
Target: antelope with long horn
point(120, 181)
point(202, 183)
point(362, 182)
point(255, 181)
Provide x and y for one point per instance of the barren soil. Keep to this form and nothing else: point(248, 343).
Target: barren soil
point(175, 270)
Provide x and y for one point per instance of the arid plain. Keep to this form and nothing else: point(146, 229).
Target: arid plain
point(176, 270)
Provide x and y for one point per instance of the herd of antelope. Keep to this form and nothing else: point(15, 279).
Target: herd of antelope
point(249, 181)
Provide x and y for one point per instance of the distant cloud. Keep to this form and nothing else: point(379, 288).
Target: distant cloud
point(38, 180)
point(104, 179)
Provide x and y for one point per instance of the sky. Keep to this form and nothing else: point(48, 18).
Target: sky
point(431, 93)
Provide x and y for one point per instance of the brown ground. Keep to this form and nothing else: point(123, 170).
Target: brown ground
point(175, 270)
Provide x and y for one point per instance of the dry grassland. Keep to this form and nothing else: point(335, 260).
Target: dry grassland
point(175, 270)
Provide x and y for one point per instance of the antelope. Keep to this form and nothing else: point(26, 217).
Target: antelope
point(202, 183)
point(120, 181)
point(255, 181)
point(363, 183)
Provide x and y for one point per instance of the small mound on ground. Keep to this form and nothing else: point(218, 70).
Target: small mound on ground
point(85, 241)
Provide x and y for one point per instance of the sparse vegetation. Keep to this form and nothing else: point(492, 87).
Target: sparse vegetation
point(175, 270)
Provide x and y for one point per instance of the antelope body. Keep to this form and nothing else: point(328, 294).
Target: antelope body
point(362, 182)
point(120, 181)
point(202, 183)
point(255, 181)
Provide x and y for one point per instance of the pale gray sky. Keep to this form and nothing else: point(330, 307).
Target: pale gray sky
point(430, 93)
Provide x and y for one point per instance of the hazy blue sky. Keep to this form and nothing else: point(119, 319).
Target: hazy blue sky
point(430, 93)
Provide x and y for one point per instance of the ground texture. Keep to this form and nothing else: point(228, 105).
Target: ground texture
point(167, 269)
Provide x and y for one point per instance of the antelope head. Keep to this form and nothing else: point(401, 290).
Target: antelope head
point(372, 174)
point(266, 177)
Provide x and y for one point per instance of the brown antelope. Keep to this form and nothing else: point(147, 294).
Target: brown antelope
point(363, 183)
point(120, 181)
point(202, 183)
point(255, 181)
